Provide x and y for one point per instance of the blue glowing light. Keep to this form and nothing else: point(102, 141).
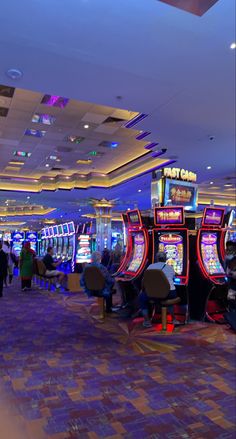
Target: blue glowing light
point(177, 280)
point(114, 144)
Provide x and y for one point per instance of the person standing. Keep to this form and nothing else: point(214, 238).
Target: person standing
point(26, 266)
point(12, 261)
point(3, 268)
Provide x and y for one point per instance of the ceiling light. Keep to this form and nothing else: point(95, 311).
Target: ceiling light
point(51, 178)
point(14, 73)
point(22, 154)
point(28, 197)
point(233, 46)
point(53, 157)
point(35, 133)
point(114, 144)
point(16, 163)
point(45, 119)
point(208, 167)
point(47, 165)
point(140, 190)
point(58, 160)
point(228, 185)
point(54, 101)
point(128, 208)
point(67, 177)
point(86, 126)
point(211, 182)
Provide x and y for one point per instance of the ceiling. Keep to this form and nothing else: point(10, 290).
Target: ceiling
point(138, 57)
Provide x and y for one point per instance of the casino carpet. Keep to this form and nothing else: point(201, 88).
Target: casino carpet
point(64, 375)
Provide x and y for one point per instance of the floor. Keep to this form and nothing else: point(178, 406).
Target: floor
point(65, 375)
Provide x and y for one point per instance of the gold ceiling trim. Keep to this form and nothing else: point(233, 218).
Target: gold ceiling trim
point(39, 210)
point(133, 169)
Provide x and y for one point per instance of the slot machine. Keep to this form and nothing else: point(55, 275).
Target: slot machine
point(126, 244)
point(17, 242)
point(59, 242)
point(47, 240)
point(50, 236)
point(65, 242)
point(83, 246)
point(212, 291)
point(42, 244)
point(71, 244)
point(55, 239)
point(32, 237)
point(170, 236)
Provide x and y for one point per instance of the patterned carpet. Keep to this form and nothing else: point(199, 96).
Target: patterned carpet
point(65, 375)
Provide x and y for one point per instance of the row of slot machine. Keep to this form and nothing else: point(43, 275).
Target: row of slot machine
point(17, 238)
point(71, 245)
point(193, 256)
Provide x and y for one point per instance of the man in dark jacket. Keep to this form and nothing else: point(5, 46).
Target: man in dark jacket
point(3, 267)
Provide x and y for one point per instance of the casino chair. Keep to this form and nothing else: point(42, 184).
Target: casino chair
point(95, 282)
point(156, 286)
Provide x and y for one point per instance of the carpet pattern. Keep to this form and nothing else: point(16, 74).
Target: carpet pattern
point(65, 375)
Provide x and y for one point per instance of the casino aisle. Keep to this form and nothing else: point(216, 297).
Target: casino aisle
point(64, 375)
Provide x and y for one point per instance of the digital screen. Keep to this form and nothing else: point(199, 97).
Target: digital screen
point(169, 215)
point(65, 247)
point(65, 228)
point(138, 252)
point(59, 247)
point(18, 236)
point(71, 247)
point(172, 245)
point(50, 231)
point(134, 218)
point(213, 217)
point(46, 232)
point(55, 230)
point(17, 247)
point(71, 227)
point(7, 236)
point(180, 194)
point(83, 250)
point(33, 246)
point(43, 233)
point(31, 236)
point(60, 230)
point(209, 253)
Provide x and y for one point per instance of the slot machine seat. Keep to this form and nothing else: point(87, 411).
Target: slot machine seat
point(95, 282)
point(157, 287)
point(40, 270)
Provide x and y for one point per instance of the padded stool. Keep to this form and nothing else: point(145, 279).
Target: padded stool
point(164, 306)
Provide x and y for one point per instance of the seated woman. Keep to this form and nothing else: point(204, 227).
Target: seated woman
point(170, 274)
point(109, 281)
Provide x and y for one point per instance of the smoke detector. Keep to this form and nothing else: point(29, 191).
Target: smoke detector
point(14, 73)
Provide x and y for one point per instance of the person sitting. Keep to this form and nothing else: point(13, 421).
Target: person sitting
point(109, 281)
point(51, 267)
point(105, 257)
point(170, 274)
point(115, 259)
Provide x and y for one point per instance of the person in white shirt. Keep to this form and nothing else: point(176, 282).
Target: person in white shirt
point(170, 274)
point(12, 259)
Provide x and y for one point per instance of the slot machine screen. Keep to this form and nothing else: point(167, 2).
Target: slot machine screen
point(60, 230)
point(46, 233)
point(172, 244)
point(83, 251)
point(32, 238)
point(6, 236)
point(65, 229)
point(213, 216)
point(65, 247)
point(209, 253)
point(138, 252)
point(50, 229)
point(71, 246)
point(54, 246)
point(134, 218)
point(59, 247)
point(55, 231)
point(71, 227)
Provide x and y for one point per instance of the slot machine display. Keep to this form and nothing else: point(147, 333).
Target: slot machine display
point(6, 237)
point(170, 236)
point(47, 240)
point(17, 242)
point(50, 235)
point(212, 287)
point(126, 244)
point(137, 252)
point(32, 237)
point(83, 249)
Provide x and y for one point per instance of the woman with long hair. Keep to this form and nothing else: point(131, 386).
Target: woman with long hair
point(26, 266)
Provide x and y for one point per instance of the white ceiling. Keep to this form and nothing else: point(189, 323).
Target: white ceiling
point(175, 66)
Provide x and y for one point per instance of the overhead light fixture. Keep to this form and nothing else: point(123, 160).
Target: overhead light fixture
point(35, 133)
point(21, 154)
point(151, 145)
point(45, 119)
point(228, 185)
point(84, 162)
point(54, 101)
point(140, 190)
point(211, 182)
point(233, 46)
point(16, 163)
point(128, 208)
point(14, 73)
point(208, 167)
point(86, 126)
point(142, 134)
point(114, 144)
point(135, 120)
point(47, 165)
point(53, 157)
point(28, 197)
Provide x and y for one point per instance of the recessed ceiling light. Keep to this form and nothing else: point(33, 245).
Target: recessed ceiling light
point(211, 182)
point(86, 126)
point(51, 178)
point(128, 208)
point(28, 197)
point(47, 165)
point(67, 177)
point(208, 167)
point(233, 46)
point(228, 185)
point(140, 190)
point(14, 73)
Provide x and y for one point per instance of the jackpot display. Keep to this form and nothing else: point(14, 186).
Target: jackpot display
point(209, 253)
point(138, 252)
point(17, 241)
point(180, 193)
point(32, 237)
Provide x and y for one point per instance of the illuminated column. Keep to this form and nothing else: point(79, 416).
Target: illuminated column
point(103, 210)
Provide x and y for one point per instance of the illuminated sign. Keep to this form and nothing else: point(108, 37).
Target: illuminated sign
point(180, 194)
point(134, 218)
point(213, 216)
point(170, 238)
point(209, 239)
point(180, 174)
point(31, 236)
point(169, 215)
